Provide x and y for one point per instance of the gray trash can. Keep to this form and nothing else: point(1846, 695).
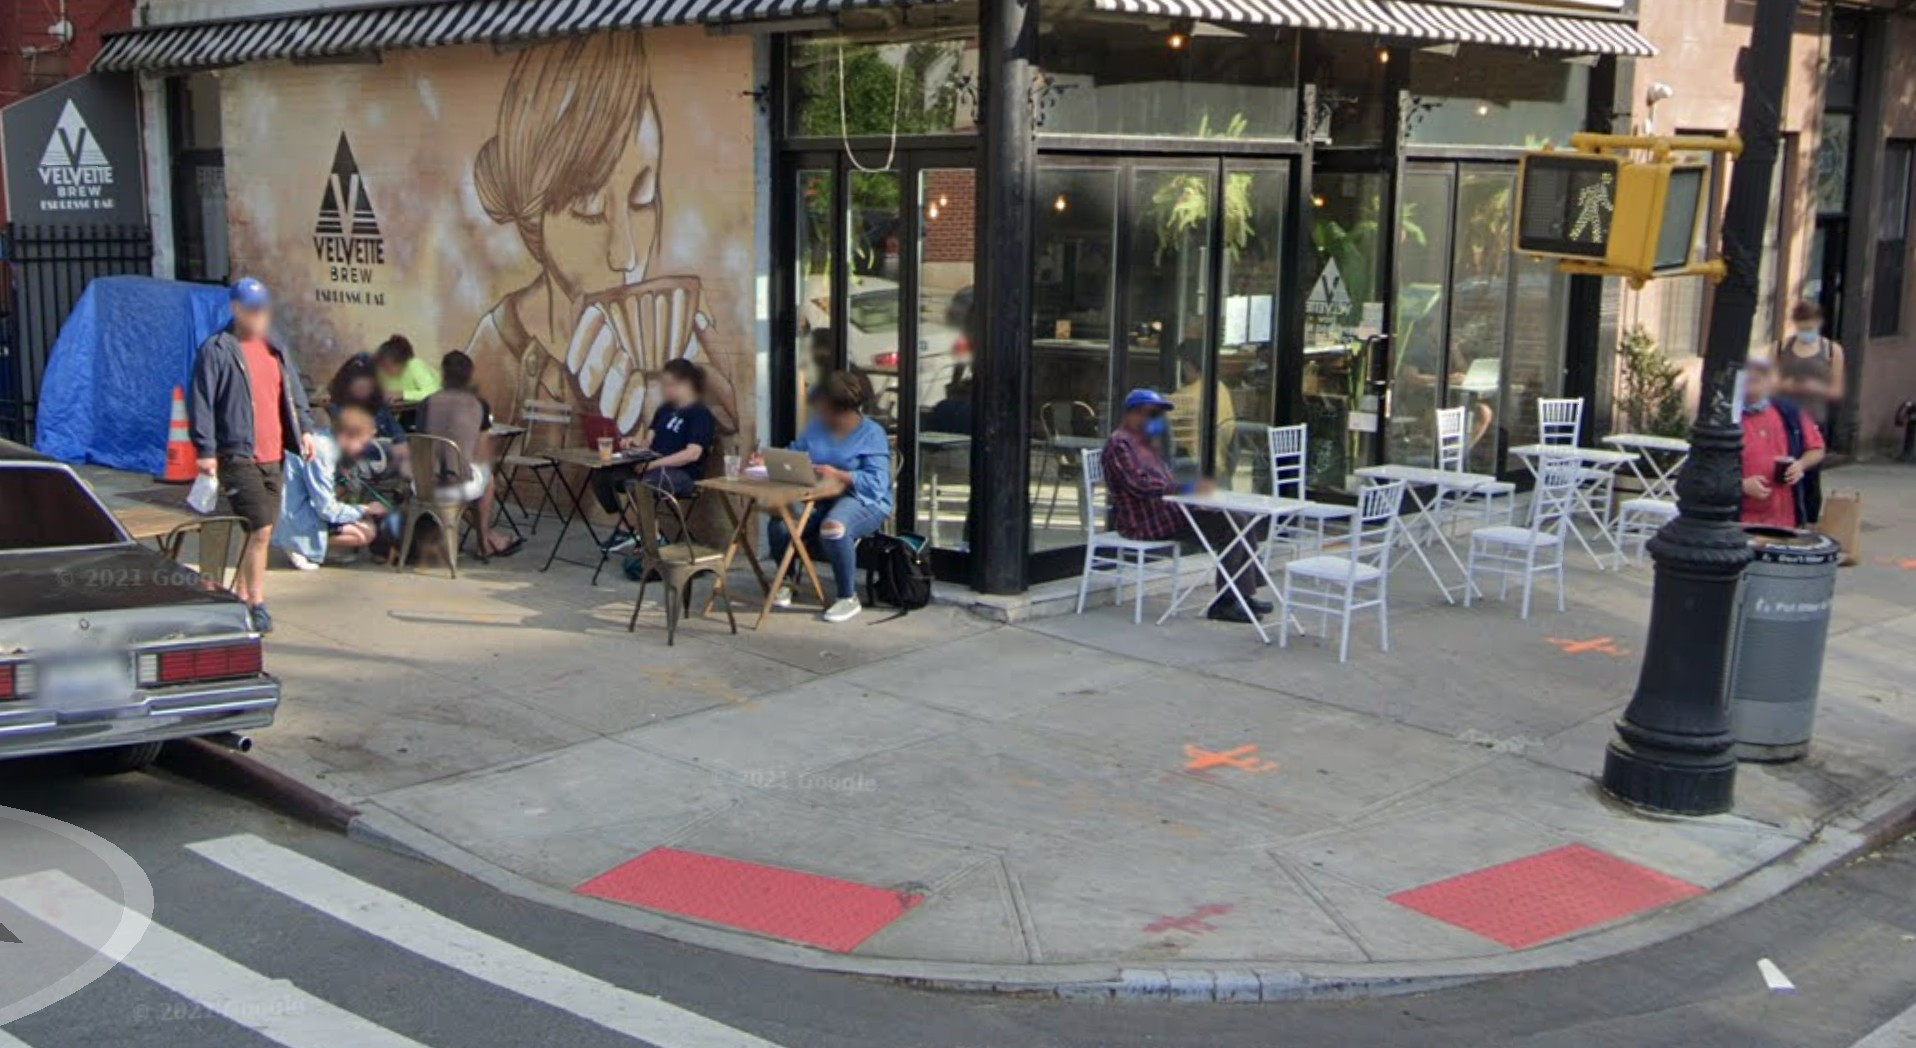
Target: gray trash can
point(1783, 622)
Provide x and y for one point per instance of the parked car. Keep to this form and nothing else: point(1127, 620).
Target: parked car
point(874, 306)
point(106, 646)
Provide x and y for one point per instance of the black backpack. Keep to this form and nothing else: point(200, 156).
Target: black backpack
point(897, 571)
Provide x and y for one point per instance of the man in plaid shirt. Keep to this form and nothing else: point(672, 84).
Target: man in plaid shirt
point(1137, 478)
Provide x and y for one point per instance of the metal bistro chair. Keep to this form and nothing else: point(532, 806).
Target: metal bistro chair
point(554, 419)
point(1534, 550)
point(1343, 584)
point(1144, 559)
point(676, 565)
point(429, 458)
point(1496, 502)
point(1290, 479)
point(219, 541)
point(1062, 418)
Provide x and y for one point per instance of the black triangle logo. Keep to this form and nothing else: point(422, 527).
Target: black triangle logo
point(344, 208)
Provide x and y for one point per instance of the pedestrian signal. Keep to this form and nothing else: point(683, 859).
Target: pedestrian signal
point(1606, 215)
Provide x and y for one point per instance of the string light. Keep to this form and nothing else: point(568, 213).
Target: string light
point(1176, 41)
point(932, 211)
point(1059, 204)
point(1383, 55)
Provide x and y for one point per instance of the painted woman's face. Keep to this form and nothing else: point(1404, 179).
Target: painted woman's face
point(605, 239)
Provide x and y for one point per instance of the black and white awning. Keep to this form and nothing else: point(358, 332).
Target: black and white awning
point(1403, 19)
point(428, 23)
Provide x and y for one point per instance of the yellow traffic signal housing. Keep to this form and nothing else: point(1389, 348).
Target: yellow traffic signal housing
point(1659, 215)
point(1606, 215)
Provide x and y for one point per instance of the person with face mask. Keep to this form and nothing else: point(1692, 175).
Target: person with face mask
point(1809, 371)
point(1138, 477)
point(1781, 445)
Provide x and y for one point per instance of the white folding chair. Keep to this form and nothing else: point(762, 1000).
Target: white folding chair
point(1495, 502)
point(1145, 560)
point(1639, 519)
point(1345, 583)
point(1291, 479)
point(1537, 549)
point(1560, 425)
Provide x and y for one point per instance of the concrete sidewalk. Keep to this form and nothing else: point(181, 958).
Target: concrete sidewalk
point(1074, 801)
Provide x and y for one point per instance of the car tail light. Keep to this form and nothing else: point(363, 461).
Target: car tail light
point(885, 360)
point(16, 680)
point(214, 662)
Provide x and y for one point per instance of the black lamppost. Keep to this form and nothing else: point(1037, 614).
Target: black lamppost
point(1672, 750)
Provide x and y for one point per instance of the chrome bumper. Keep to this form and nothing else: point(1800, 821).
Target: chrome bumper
point(152, 715)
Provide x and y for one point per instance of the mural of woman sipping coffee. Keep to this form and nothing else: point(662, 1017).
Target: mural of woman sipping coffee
point(575, 165)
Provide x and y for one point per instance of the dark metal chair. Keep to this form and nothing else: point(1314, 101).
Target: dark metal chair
point(677, 564)
point(427, 457)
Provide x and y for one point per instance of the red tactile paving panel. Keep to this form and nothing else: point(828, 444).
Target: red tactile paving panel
point(1545, 896)
point(785, 904)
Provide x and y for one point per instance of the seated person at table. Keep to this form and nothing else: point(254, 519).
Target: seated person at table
point(1775, 429)
point(356, 384)
point(853, 459)
point(311, 515)
point(682, 430)
point(1137, 478)
point(460, 415)
point(403, 376)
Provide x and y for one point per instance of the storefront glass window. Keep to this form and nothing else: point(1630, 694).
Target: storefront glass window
point(1539, 314)
point(843, 87)
point(1480, 308)
point(1352, 91)
point(1832, 164)
point(1073, 248)
point(1167, 296)
point(873, 225)
point(1192, 80)
point(815, 351)
point(947, 326)
point(1489, 96)
point(1343, 308)
point(1419, 337)
point(1248, 324)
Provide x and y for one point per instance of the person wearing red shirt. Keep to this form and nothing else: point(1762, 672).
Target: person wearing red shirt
point(1773, 430)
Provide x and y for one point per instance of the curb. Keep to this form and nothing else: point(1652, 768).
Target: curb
point(223, 769)
point(1867, 826)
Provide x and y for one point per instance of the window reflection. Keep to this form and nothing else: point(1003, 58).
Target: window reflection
point(1480, 308)
point(846, 87)
point(947, 328)
point(1072, 264)
point(1423, 289)
point(1493, 96)
point(1128, 77)
point(1343, 311)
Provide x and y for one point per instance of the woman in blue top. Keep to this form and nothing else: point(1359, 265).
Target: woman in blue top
point(853, 460)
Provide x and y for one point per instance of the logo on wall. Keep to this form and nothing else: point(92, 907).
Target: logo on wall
point(346, 237)
point(73, 168)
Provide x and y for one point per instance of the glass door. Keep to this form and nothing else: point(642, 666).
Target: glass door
point(946, 313)
point(1346, 345)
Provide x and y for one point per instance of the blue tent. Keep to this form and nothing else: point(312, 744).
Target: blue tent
point(108, 392)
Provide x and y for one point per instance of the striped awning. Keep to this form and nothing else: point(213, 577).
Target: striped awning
point(427, 23)
point(1433, 22)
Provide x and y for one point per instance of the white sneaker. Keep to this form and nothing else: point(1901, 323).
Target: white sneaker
point(843, 610)
point(300, 561)
point(784, 597)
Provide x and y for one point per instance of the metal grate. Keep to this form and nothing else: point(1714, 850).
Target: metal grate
point(43, 271)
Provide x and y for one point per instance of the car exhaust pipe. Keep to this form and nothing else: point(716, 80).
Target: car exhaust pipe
point(232, 740)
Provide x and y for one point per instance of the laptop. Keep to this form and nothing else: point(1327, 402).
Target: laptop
point(789, 467)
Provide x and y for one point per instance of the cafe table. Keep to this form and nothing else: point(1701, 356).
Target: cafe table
point(1446, 486)
point(1657, 462)
point(744, 497)
point(1243, 511)
point(1594, 461)
point(589, 462)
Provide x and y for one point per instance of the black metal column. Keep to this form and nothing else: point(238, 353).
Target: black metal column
point(1672, 751)
point(1000, 451)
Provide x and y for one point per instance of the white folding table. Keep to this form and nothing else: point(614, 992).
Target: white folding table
point(1447, 484)
point(1242, 510)
point(1589, 458)
point(1658, 461)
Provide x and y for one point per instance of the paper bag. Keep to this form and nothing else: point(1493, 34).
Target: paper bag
point(1843, 521)
point(205, 496)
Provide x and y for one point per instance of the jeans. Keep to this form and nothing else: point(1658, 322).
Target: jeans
point(834, 531)
point(607, 484)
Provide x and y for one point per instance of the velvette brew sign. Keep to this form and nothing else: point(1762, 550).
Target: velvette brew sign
point(73, 154)
point(346, 237)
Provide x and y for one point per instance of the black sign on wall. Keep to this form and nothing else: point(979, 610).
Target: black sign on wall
point(72, 154)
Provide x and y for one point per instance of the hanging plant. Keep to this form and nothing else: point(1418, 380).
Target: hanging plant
point(1182, 203)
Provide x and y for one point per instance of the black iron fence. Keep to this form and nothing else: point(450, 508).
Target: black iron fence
point(43, 270)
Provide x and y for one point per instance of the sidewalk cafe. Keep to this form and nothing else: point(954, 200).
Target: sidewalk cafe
point(1002, 216)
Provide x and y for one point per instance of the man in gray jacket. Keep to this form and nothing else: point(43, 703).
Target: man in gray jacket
point(248, 410)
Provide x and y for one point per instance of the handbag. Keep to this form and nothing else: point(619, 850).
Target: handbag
point(1842, 520)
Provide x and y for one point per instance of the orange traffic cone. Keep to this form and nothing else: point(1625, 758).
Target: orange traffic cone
point(181, 463)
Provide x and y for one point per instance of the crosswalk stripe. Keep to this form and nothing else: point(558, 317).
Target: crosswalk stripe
point(273, 1008)
point(1899, 1032)
point(7, 1040)
point(413, 927)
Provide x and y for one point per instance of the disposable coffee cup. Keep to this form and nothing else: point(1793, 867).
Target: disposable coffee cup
point(605, 450)
point(1783, 464)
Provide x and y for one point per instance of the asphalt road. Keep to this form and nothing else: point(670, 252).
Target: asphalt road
point(271, 931)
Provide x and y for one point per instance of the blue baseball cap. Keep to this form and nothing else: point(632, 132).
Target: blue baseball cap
point(250, 293)
point(1146, 398)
